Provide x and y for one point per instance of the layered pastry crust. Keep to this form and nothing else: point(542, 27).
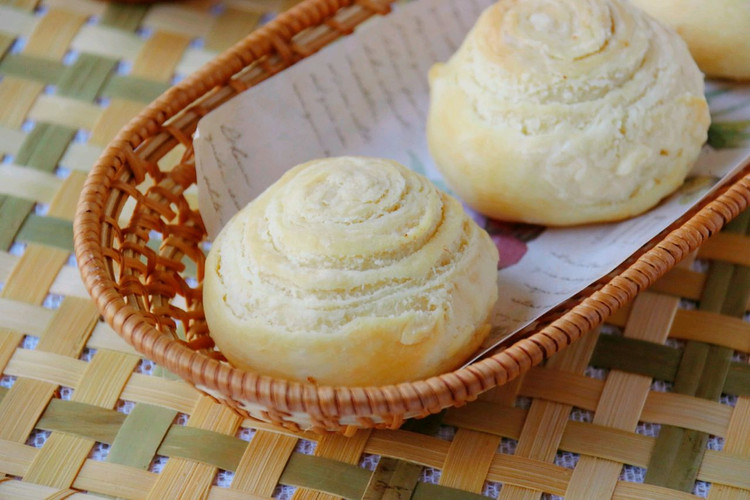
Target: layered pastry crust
point(566, 112)
point(350, 271)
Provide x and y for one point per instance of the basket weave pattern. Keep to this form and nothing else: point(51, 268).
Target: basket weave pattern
point(673, 362)
point(136, 286)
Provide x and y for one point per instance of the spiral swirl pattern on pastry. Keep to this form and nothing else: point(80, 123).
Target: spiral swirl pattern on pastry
point(566, 111)
point(350, 271)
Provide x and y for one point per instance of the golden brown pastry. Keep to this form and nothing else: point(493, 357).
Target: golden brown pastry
point(566, 112)
point(716, 31)
point(350, 271)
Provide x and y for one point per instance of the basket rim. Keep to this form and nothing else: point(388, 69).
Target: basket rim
point(325, 402)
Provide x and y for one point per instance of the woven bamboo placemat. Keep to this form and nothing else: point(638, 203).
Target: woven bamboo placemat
point(656, 404)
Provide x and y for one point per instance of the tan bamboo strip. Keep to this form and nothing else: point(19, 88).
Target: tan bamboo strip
point(737, 443)
point(620, 317)
point(103, 337)
point(468, 460)
point(18, 96)
point(160, 55)
point(409, 446)
point(64, 204)
point(86, 7)
point(546, 421)
point(681, 282)
point(505, 421)
point(231, 494)
point(505, 394)
point(712, 328)
point(691, 413)
point(193, 59)
point(340, 448)
point(687, 411)
point(81, 157)
point(33, 319)
point(262, 463)
point(727, 247)
point(63, 455)
point(158, 391)
point(230, 26)
point(58, 462)
point(640, 491)
point(107, 374)
point(23, 317)
point(112, 119)
point(34, 273)
point(563, 387)
point(624, 396)
point(607, 443)
point(47, 367)
point(68, 283)
point(178, 19)
point(15, 458)
point(183, 478)
point(66, 336)
point(65, 111)
point(114, 479)
point(108, 42)
point(530, 474)
point(724, 468)
point(53, 34)
point(9, 340)
point(265, 426)
point(18, 490)
point(28, 183)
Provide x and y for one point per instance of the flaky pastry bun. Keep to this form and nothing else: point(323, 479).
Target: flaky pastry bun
point(350, 271)
point(716, 31)
point(566, 112)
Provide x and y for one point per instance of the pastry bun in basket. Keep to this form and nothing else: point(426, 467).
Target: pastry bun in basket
point(350, 271)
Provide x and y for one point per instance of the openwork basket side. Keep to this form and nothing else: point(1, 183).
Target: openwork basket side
point(139, 239)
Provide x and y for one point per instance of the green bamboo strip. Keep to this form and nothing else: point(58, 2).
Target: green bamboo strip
point(49, 231)
point(81, 419)
point(426, 491)
point(13, 213)
point(324, 474)
point(427, 426)
point(10, 140)
point(140, 435)
point(55, 139)
point(133, 89)
point(738, 380)
point(200, 445)
point(702, 372)
point(124, 17)
point(636, 356)
point(32, 68)
point(185, 478)
point(392, 480)
point(85, 78)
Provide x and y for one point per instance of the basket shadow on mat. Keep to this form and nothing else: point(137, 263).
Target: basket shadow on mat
point(134, 197)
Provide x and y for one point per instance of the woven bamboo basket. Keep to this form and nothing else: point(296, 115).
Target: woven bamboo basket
point(142, 292)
